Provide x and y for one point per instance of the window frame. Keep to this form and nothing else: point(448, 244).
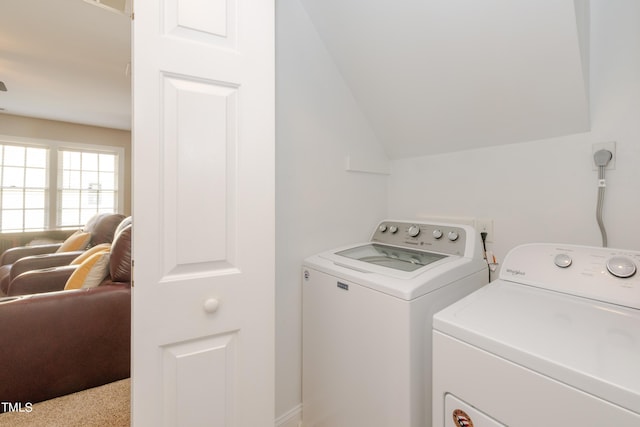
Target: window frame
point(54, 159)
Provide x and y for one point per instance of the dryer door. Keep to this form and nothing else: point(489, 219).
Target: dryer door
point(459, 414)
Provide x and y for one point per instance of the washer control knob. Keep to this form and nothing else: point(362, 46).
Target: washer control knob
point(437, 233)
point(393, 229)
point(414, 230)
point(382, 228)
point(562, 260)
point(621, 267)
point(453, 236)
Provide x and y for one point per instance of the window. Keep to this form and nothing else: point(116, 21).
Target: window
point(48, 184)
point(89, 185)
point(24, 187)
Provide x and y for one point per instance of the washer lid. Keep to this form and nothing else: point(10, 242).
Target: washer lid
point(391, 257)
point(406, 285)
point(590, 345)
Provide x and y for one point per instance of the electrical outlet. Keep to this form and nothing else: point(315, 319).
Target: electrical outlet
point(485, 225)
point(611, 146)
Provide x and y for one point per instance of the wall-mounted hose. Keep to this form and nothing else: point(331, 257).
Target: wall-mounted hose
point(602, 159)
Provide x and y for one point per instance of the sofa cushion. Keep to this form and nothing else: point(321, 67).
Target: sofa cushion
point(120, 263)
point(123, 224)
point(59, 343)
point(102, 227)
point(91, 272)
point(86, 254)
point(76, 242)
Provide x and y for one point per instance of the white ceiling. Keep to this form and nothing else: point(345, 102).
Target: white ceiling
point(431, 76)
point(65, 60)
point(439, 75)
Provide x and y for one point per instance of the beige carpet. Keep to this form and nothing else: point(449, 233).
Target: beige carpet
point(105, 406)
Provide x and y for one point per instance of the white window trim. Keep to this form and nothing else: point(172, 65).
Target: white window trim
point(55, 146)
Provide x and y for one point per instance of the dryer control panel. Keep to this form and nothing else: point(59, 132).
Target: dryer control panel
point(448, 239)
point(602, 274)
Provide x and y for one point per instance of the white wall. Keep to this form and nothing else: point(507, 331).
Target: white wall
point(319, 205)
point(537, 191)
point(546, 190)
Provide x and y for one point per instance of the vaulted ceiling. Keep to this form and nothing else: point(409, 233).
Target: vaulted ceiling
point(431, 76)
point(440, 75)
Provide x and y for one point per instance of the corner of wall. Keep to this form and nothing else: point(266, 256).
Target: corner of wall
point(583, 25)
point(359, 163)
point(292, 418)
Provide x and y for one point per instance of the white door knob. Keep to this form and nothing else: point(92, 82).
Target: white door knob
point(211, 305)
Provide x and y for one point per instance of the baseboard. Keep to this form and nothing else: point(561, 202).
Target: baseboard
point(291, 418)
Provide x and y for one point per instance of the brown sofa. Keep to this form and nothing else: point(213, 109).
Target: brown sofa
point(61, 342)
point(16, 261)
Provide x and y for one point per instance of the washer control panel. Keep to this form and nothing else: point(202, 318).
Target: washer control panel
point(603, 274)
point(444, 238)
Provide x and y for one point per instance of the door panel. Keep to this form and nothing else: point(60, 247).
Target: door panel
point(200, 155)
point(208, 361)
point(203, 145)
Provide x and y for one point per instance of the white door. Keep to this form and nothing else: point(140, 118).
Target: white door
point(203, 211)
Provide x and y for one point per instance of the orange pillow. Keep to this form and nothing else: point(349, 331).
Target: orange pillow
point(86, 254)
point(76, 242)
point(90, 273)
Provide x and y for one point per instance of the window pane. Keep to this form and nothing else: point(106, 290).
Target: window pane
point(108, 180)
point(37, 157)
point(90, 161)
point(90, 180)
point(35, 178)
point(13, 156)
point(85, 215)
point(12, 199)
point(34, 199)
point(34, 219)
point(70, 217)
point(107, 162)
point(107, 201)
point(23, 194)
point(11, 220)
point(71, 160)
point(89, 200)
point(12, 177)
point(71, 179)
point(70, 199)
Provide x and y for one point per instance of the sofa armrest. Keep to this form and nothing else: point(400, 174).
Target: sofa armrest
point(63, 342)
point(13, 254)
point(38, 262)
point(39, 281)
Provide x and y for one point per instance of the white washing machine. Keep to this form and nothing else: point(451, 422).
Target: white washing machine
point(367, 311)
point(555, 341)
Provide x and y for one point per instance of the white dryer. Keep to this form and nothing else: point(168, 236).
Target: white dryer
point(555, 341)
point(367, 311)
